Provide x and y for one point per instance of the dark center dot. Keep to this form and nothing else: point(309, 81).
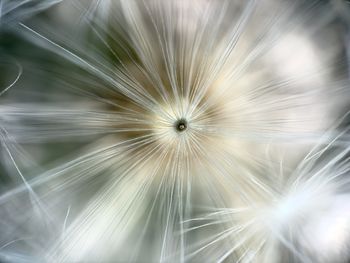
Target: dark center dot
point(181, 125)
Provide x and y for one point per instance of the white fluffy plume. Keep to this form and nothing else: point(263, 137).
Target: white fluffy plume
point(121, 120)
point(303, 217)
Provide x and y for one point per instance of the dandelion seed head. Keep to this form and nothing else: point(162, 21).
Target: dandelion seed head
point(306, 217)
point(175, 98)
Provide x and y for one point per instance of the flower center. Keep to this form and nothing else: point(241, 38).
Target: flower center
point(181, 125)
